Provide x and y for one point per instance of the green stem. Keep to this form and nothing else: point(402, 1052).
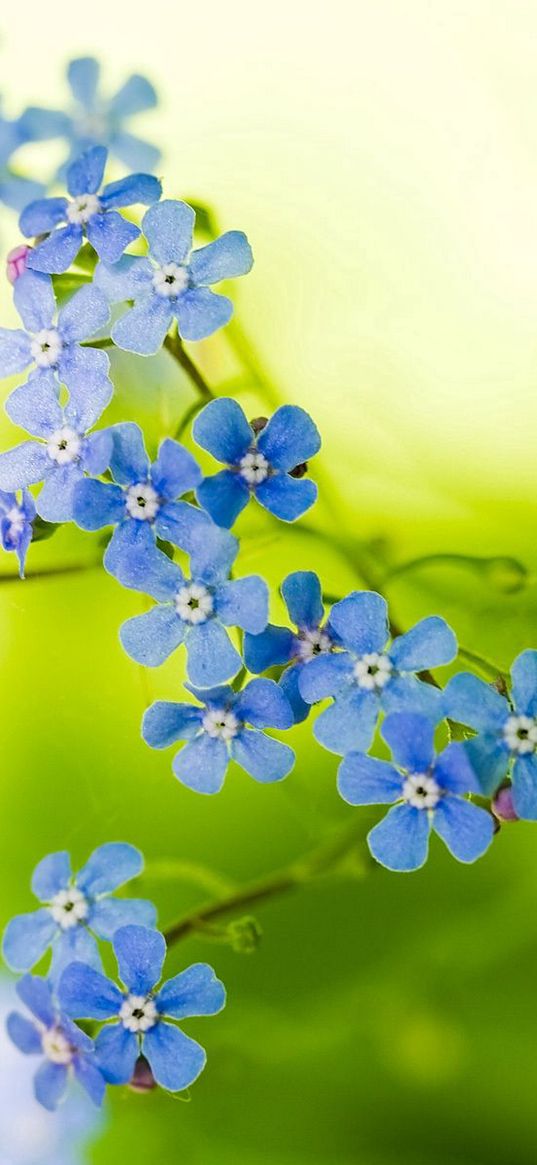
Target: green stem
point(174, 346)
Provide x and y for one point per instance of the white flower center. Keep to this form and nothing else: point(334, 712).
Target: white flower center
point(64, 446)
point(220, 724)
point(372, 671)
point(16, 519)
point(138, 1013)
point(69, 907)
point(56, 1046)
point(82, 208)
point(520, 734)
point(46, 347)
point(312, 643)
point(194, 603)
point(142, 501)
point(170, 280)
point(254, 468)
point(421, 791)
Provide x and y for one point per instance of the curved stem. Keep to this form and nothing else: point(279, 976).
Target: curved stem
point(174, 346)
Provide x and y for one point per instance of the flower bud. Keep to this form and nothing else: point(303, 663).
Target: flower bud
point(502, 804)
point(16, 261)
point(142, 1079)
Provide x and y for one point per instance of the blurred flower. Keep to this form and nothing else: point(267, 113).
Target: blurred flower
point(63, 451)
point(142, 505)
point(54, 347)
point(429, 791)
point(96, 120)
point(507, 730)
point(369, 676)
point(15, 191)
point(260, 462)
point(63, 1046)
point(217, 732)
point(16, 262)
point(86, 213)
point(174, 282)
point(196, 610)
point(301, 591)
point(75, 906)
point(141, 1016)
point(28, 1134)
point(16, 528)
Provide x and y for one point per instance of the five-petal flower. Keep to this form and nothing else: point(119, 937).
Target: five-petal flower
point(174, 282)
point(369, 676)
point(428, 791)
point(75, 906)
point(218, 732)
point(63, 1046)
point(142, 1017)
point(261, 458)
point(16, 523)
point(507, 730)
point(87, 213)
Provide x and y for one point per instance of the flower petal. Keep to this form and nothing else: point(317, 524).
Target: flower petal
point(201, 312)
point(135, 96)
point(116, 1052)
point(411, 739)
point(85, 372)
point(97, 452)
point(168, 227)
point(202, 764)
point(212, 550)
point(286, 497)
point(524, 677)
point(84, 314)
point(264, 758)
point(96, 504)
point(221, 428)
point(23, 1033)
point(489, 760)
point(15, 354)
point(430, 643)
point(289, 682)
point(51, 875)
point(212, 658)
point(26, 939)
point(361, 621)
point(36, 994)
point(175, 1060)
point(142, 329)
point(224, 496)
point(525, 787)
point(471, 701)
point(466, 829)
point(407, 693)
point(401, 840)
point(83, 78)
point(129, 538)
point(85, 174)
point(243, 602)
point(195, 991)
point(263, 704)
point(348, 723)
point(134, 188)
point(129, 278)
point(175, 471)
point(89, 1076)
point(165, 722)
point(109, 235)
point(86, 994)
point(225, 258)
point(73, 945)
point(364, 780)
point(290, 438)
point(153, 573)
point(33, 296)
point(150, 638)
point(56, 253)
point(55, 501)
point(35, 406)
point(50, 1083)
point(109, 914)
point(273, 646)
point(42, 215)
point(454, 771)
point(135, 153)
point(109, 866)
point(302, 595)
point(140, 954)
point(16, 192)
point(25, 464)
point(326, 675)
point(130, 463)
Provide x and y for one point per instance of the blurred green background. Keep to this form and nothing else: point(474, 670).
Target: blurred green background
point(383, 160)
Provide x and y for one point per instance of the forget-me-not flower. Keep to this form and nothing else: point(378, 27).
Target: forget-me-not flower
point(75, 907)
point(140, 1017)
point(302, 595)
point(64, 1048)
point(370, 674)
point(141, 501)
point(87, 213)
point(217, 732)
point(429, 792)
point(15, 190)
point(195, 610)
point(54, 346)
point(507, 730)
point(174, 282)
point(261, 459)
point(97, 120)
point(63, 451)
point(16, 523)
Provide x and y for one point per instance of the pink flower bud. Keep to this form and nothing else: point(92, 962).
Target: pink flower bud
point(16, 261)
point(502, 805)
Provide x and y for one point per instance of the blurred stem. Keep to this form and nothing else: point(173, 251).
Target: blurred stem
point(174, 346)
point(321, 860)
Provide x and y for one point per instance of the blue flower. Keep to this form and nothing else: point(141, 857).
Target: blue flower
point(369, 676)
point(140, 1015)
point(74, 907)
point(195, 610)
point(15, 191)
point(429, 792)
point(86, 213)
point(263, 459)
point(63, 451)
point(55, 347)
point(507, 730)
point(142, 505)
point(16, 523)
point(217, 732)
point(96, 120)
point(64, 1047)
point(301, 591)
point(174, 282)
